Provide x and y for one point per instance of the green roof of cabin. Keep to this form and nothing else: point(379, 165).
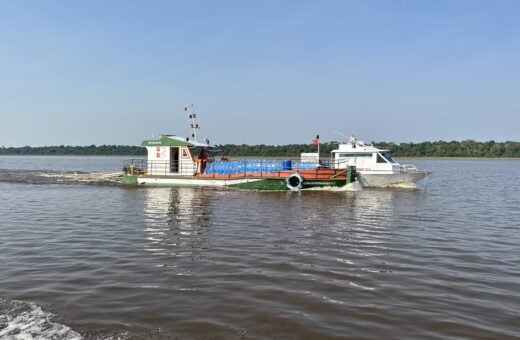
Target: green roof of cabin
point(165, 141)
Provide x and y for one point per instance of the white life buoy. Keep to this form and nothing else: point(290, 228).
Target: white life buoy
point(294, 181)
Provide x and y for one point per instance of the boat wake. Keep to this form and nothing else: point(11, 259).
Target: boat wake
point(56, 177)
point(22, 320)
point(355, 186)
point(402, 186)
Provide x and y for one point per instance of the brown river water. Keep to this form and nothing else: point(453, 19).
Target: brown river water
point(105, 261)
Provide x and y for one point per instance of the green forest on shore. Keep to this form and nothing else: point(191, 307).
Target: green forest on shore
point(467, 148)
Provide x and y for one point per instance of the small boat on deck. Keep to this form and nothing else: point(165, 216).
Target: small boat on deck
point(177, 161)
point(375, 167)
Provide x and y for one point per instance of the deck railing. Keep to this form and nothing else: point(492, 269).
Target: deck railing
point(249, 167)
point(408, 168)
point(159, 168)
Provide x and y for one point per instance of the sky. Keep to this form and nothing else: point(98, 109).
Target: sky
point(275, 72)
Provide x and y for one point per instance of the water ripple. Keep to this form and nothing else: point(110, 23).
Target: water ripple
point(118, 262)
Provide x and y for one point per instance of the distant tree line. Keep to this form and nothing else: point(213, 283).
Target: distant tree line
point(290, 150)
point(102, 150)
point(466, 148)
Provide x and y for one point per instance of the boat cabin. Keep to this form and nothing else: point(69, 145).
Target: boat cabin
point(173, 155)
point(367, 158)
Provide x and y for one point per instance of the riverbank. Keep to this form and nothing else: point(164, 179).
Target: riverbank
point(462, 158)
point(434, 150)
point(267, 157)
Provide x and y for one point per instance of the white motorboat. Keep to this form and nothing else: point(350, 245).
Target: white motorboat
point(375, 167)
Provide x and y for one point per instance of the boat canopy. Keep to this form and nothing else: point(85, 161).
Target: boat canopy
point(168, 140)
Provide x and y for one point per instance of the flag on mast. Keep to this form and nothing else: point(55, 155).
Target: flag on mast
point(316, 140)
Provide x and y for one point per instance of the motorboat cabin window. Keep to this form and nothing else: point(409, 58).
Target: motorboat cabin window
point(381, 159)
point(388, 157)
point(341, 155)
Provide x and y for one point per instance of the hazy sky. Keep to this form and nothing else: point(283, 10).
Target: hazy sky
point(260, 72)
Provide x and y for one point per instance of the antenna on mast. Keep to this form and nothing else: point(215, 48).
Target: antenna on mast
point(341, 134)
point(192, 121)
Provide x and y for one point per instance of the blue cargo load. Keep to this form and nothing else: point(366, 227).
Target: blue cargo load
point(255, 166)
point(236, 167)
point(287, 164)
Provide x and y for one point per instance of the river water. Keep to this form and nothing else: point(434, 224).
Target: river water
point(113, 262)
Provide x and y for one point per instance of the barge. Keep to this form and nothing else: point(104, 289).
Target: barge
point(177, 161)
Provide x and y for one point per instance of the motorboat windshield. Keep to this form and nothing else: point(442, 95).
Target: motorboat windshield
point(386, 155)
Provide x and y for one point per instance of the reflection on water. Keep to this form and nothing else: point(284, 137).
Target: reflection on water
point(176, 219)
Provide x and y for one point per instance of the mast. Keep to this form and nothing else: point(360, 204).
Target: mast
point(192, 121)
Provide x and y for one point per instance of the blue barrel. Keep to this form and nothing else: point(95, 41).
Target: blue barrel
point(287, 164)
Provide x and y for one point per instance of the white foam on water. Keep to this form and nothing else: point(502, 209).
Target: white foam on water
point(95, 177)
point(354, 186)
point(403, 186)
point(28, 321)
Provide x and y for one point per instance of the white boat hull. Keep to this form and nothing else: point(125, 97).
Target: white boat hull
point(193, 181)
point(404, 179)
